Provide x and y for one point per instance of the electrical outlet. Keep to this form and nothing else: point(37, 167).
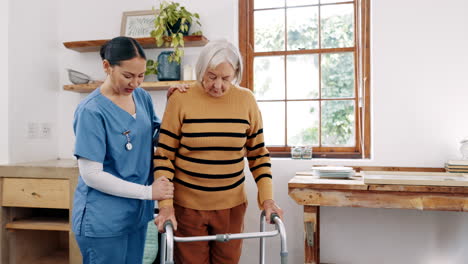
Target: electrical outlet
point(33, 130)
point(45, 131)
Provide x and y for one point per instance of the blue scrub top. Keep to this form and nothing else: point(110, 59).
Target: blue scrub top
point(99, 127)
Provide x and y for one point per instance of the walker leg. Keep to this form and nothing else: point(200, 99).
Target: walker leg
point(170, 242)
point(282, 231)
point(163, 249)
point(262, 239)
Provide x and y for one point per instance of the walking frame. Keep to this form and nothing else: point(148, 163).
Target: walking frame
point(168, 239)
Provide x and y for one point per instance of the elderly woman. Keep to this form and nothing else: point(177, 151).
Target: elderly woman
point(205, 134)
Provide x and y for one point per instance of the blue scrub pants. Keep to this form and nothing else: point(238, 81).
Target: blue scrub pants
point(125, 249)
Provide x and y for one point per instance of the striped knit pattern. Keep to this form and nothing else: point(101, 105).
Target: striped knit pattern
point(202, 146)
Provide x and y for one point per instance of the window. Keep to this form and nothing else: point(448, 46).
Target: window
point(307, 61)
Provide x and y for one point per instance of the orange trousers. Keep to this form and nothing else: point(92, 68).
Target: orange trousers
point(205, 223)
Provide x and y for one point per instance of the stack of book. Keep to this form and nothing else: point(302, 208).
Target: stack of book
point(459, 166)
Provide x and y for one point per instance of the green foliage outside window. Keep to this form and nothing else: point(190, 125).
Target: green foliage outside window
point(337, 69)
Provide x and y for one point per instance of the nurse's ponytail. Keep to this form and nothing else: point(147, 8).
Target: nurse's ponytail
point(120, 49)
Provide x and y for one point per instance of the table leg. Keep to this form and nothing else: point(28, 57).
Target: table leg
point(4, 218)
point(312, 234)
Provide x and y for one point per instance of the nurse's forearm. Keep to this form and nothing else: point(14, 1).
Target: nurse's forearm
point(95, 177)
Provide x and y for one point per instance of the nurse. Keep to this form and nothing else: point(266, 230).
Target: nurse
point(115, 128)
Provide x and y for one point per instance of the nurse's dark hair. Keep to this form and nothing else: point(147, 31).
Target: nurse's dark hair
point(120, 49)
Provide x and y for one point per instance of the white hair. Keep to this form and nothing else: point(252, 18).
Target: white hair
point(217, 52)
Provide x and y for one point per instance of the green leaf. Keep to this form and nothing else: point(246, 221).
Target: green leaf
point(159, 42)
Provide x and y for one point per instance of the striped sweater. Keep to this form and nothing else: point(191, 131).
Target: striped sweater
point(202, 146)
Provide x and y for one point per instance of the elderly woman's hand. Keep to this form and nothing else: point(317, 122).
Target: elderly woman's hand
point(270, 207)
point(181, 87)
point(165, 214)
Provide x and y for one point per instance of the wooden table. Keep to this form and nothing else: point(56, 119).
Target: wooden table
point(312, 192)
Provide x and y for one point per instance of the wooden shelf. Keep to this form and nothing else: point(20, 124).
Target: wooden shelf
point(147, 43)
point(48, 224)
point(148, 86)
point(57, 257)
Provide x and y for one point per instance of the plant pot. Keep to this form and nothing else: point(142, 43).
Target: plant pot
point(176, 26)
point(167, 71)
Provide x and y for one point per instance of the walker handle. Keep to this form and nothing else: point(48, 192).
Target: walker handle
point(168, 223)
point(272, 217)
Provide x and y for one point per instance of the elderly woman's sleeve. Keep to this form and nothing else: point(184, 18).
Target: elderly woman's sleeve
point(258, 156)
point(169, 138)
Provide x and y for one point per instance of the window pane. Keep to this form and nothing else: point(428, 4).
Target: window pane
point(268, 3)
point(334, 1)
point(337, 26)
point(303, 123)
point(301, 2)
point(338, 127)
point(269, 77)
point(302, 76)
point(338, 75)
point(302, 28)
point(273, 122)
point(269, 30)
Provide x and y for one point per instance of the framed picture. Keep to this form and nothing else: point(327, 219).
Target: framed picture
point(137, 24)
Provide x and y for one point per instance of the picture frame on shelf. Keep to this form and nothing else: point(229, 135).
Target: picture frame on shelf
point(138, 24)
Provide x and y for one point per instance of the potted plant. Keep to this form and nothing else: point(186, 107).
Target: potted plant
point(172, 22)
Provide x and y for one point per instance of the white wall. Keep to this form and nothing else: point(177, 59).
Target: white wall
point(87, 20)
point(419, 86)
point(419, 81)
point(4, 80)
point(33, 79)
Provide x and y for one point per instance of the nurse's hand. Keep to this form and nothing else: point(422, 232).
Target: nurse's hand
point(162, 189)
point(165, 214)
point(270, 207)
point(181, 87)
